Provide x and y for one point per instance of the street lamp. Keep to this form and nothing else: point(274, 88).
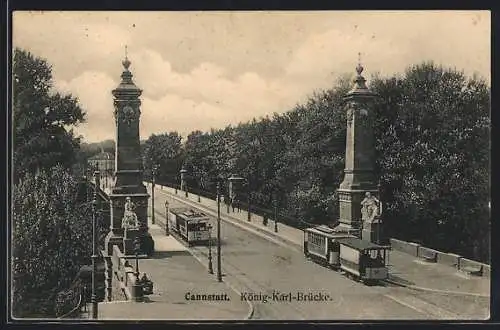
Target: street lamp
point(166, 219)
point(275, 213)
point(233, 180)
point(154, 170)
point(137, 250)
point(183, 180)
point(210, 266)
point(249, 214)
point(199, 191)
point(94, 248)
point(219, 268)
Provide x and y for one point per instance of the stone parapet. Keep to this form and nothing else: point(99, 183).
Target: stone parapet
point(448, 259)
point(125, 274)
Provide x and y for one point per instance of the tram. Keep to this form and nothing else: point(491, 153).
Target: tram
point(191, 225)
point(343, 251)
point(321, 245)
point(364, 260)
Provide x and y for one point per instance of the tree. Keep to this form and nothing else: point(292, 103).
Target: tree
point(42, 120)
point(165, 151)
point(51, 231)
point(432, 133)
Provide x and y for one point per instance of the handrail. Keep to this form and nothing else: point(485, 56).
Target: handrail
point(77, 307)
point(75, 285)
point(269, 213)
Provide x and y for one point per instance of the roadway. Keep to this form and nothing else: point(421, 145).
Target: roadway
point(257, 266)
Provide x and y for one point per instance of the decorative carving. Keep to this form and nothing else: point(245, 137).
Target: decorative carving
point(350, 115)
point(128, 115)
point(371, 208)
point(129, 220)
point(345, 197)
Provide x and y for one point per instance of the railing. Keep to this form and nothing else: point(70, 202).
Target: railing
point(73, 297)
point(266, 213)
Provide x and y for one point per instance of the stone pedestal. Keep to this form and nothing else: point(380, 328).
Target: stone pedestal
point(350, 206)
point(116, 234)
point(128, 241)
point(372, 231)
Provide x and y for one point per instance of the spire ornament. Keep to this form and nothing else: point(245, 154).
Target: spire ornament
point(359, 87)
point(126, 63)
point(359, 68)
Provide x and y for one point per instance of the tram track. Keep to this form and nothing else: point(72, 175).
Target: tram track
point(244, 284)
point(399, 293)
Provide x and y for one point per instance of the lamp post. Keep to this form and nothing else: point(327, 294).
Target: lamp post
point(210, 266)
point(94, 249)
point(249, 214)
point(183, 180)
point(154, 170)
point(233, 181)
point(166, 219)
point(106, 171)
point(199, 193)
point(137, 250)
point(219, 268)
point(275, 212)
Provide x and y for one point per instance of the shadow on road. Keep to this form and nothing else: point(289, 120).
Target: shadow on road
point(168, 254)
point(398, 280)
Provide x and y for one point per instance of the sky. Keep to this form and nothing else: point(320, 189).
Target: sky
point(202, 70)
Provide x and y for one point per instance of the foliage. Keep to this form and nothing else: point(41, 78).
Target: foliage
point(51, 232)
point(432, 144)
point(163, 150)
point(42, 119)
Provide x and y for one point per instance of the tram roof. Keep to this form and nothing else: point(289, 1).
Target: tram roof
point(189, 213)
point(329, 232)
point(360, 244)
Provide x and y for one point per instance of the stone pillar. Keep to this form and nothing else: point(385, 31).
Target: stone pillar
point(128, 162)
point(359, 156)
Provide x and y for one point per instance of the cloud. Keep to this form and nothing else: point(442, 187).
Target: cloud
point(204, 70)
point(93, 90)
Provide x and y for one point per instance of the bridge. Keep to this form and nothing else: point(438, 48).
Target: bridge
point(258, 262)
point(262, 263)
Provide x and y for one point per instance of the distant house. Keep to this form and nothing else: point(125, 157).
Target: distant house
point(103, 162)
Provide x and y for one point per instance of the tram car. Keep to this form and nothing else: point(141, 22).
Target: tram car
point(191, 225)
point(321, 244)
point(363, 260)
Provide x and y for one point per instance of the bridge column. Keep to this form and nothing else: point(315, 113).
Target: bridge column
point(128, 160)
point(359, 175)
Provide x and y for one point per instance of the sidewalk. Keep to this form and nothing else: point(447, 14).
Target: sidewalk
point(404, 269)
point(176, 274)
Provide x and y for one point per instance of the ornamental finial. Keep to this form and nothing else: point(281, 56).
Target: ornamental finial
point(359, 68)
point(126, 63)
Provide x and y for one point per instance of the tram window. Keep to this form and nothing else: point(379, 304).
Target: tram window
point(197, 226)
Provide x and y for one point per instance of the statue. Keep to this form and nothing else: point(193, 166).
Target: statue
point(371, 208)
point(129, 220)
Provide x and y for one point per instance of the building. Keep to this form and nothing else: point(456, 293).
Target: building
point(103, 162)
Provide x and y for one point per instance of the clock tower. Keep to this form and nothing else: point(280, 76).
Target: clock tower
point(128, 161)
